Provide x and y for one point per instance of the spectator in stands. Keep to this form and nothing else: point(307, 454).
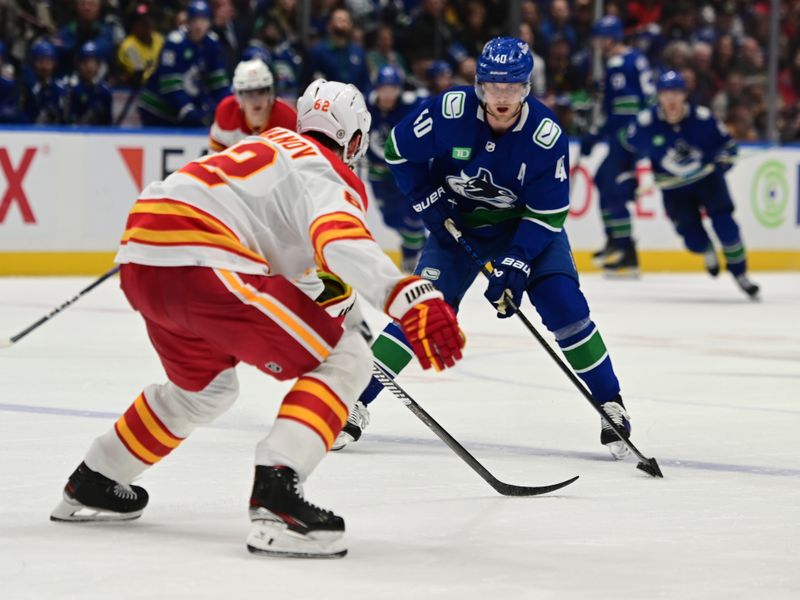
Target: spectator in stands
point(87, 26)
point(724, 56)
point(467, 69)
point(705, 82)
point(440, 77)
point(337, 57)
point(232, 32)
point(538, 75)
point(644, 12)
point(190, 79)
point(475, 31)
point(429, 37)
point(88, 97)
point(384, 53)
point(21, 22)
point(558, 25)
point(529, 14)
point(750, 61)
point(789, 80)
point(284, 14)
point(10, 98)
point(44, 99)
point(284, 60)
point(728, 95)
point(562, 75)
point(138, 53)
point(740, 123)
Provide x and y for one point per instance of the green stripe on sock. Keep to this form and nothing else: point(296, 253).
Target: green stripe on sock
point(586, 353)
point(734, 254)
point(395, 356)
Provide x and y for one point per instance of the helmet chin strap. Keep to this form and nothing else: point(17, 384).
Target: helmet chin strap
point(491, 113)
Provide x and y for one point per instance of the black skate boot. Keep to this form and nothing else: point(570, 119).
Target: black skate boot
point(616, 412)
point(90, 496)
point(747, 286)
point(285, 524)
point(600, 257)
point(357, 422)
point(622, 263)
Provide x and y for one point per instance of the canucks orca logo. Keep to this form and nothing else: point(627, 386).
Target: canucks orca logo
point(682, 159)
point(482, 187)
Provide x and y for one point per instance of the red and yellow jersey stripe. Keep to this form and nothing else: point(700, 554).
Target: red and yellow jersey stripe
point(168, 222)
point(333, 227)
point(143, 434)
point(313, 404)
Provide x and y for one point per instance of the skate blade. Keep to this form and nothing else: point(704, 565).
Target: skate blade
point(70, 511)
point(618, 449)
point(625, 273)
point(342, 440)
point(271, 538)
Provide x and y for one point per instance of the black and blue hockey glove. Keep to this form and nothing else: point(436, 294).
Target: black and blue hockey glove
point(434, 209)
point(510, 274)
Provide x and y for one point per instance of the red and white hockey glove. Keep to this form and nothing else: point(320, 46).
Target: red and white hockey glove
point(429, 323)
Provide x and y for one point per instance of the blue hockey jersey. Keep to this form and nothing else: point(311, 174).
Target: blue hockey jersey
point(190, 78)
point(513, 184)
point(88, 103)
point(382, 124)
point(627, 89)
point(685, 152)
point(44, 103)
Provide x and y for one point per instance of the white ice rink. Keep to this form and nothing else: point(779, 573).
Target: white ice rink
point(711, 380)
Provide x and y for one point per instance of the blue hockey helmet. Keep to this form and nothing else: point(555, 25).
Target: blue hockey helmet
point(608, 26)
point(438, 67)
point(89, 50)
point(504, 60)
point(670, 80)
point(198, 9)
point(43, 49)
point(252, 52)
point(389, 75)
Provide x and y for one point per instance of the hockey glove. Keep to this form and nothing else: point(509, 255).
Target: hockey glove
point(588, 142)
point(428, 322)
point(510, 275)
point(434, 209)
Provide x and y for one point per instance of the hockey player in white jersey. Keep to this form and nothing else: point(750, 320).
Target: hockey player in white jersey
point(207, 258)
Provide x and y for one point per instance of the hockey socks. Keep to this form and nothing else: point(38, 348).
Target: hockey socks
point(392, 353)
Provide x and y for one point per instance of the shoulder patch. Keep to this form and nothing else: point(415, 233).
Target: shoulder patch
point(408, 97)
point(641, 63)
point(212, 35)
point(176, 37)
point(168, 58)
point(702, 113)
point(453, 104)
point(615, 61)
point(547, 133)
point(644, 118)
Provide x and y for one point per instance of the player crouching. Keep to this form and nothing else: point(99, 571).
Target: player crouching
point(208, 259)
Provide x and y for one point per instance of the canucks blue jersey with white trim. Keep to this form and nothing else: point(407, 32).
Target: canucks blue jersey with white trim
point(515, 183)
point(627, 89)
point(685, 152)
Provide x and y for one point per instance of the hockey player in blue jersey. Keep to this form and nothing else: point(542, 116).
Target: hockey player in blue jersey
point(45, 95)
point(190, 79)
point(388, 103)
point(627, 89)
point(88, 96)
point(496, 162)
point(691, 151)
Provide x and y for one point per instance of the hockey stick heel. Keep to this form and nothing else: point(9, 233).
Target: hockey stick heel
point(506, 489)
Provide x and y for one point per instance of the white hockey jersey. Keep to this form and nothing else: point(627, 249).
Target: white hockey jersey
point(277, 203)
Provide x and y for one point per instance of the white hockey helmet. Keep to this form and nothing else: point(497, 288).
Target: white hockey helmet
point(338, 110)
point(251, 75)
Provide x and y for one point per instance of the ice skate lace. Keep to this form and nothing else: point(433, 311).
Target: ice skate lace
point(124, 492)
point(298, 490)
point(616, 413)
point(359, 415)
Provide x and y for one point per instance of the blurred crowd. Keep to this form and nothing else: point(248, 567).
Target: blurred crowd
point(60, 60)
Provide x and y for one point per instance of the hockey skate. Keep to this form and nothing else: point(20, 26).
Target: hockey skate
point(622, 263)
point(285, 524)
point(357, 422)
point(616, 412)
point(600, 257)
point(711, 261)
point(90, 496)
point(747, 286)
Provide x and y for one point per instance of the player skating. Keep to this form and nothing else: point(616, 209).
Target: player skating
point(496, 162)
point(207, 258)
point(251, 109)
point(691, 151)
point(627, 89)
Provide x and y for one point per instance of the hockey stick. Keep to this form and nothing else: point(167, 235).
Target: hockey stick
point(4, 343)
point(506, 489)
point(648, 465)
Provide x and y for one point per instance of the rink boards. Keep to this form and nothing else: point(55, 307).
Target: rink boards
point(65, 194)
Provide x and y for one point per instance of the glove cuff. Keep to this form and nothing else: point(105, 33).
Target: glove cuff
point(408, 293)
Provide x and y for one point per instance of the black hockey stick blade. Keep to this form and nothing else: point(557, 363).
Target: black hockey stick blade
point(650, 466)
point(506, 489)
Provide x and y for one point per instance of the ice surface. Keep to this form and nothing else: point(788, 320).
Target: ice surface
point(711, 380)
